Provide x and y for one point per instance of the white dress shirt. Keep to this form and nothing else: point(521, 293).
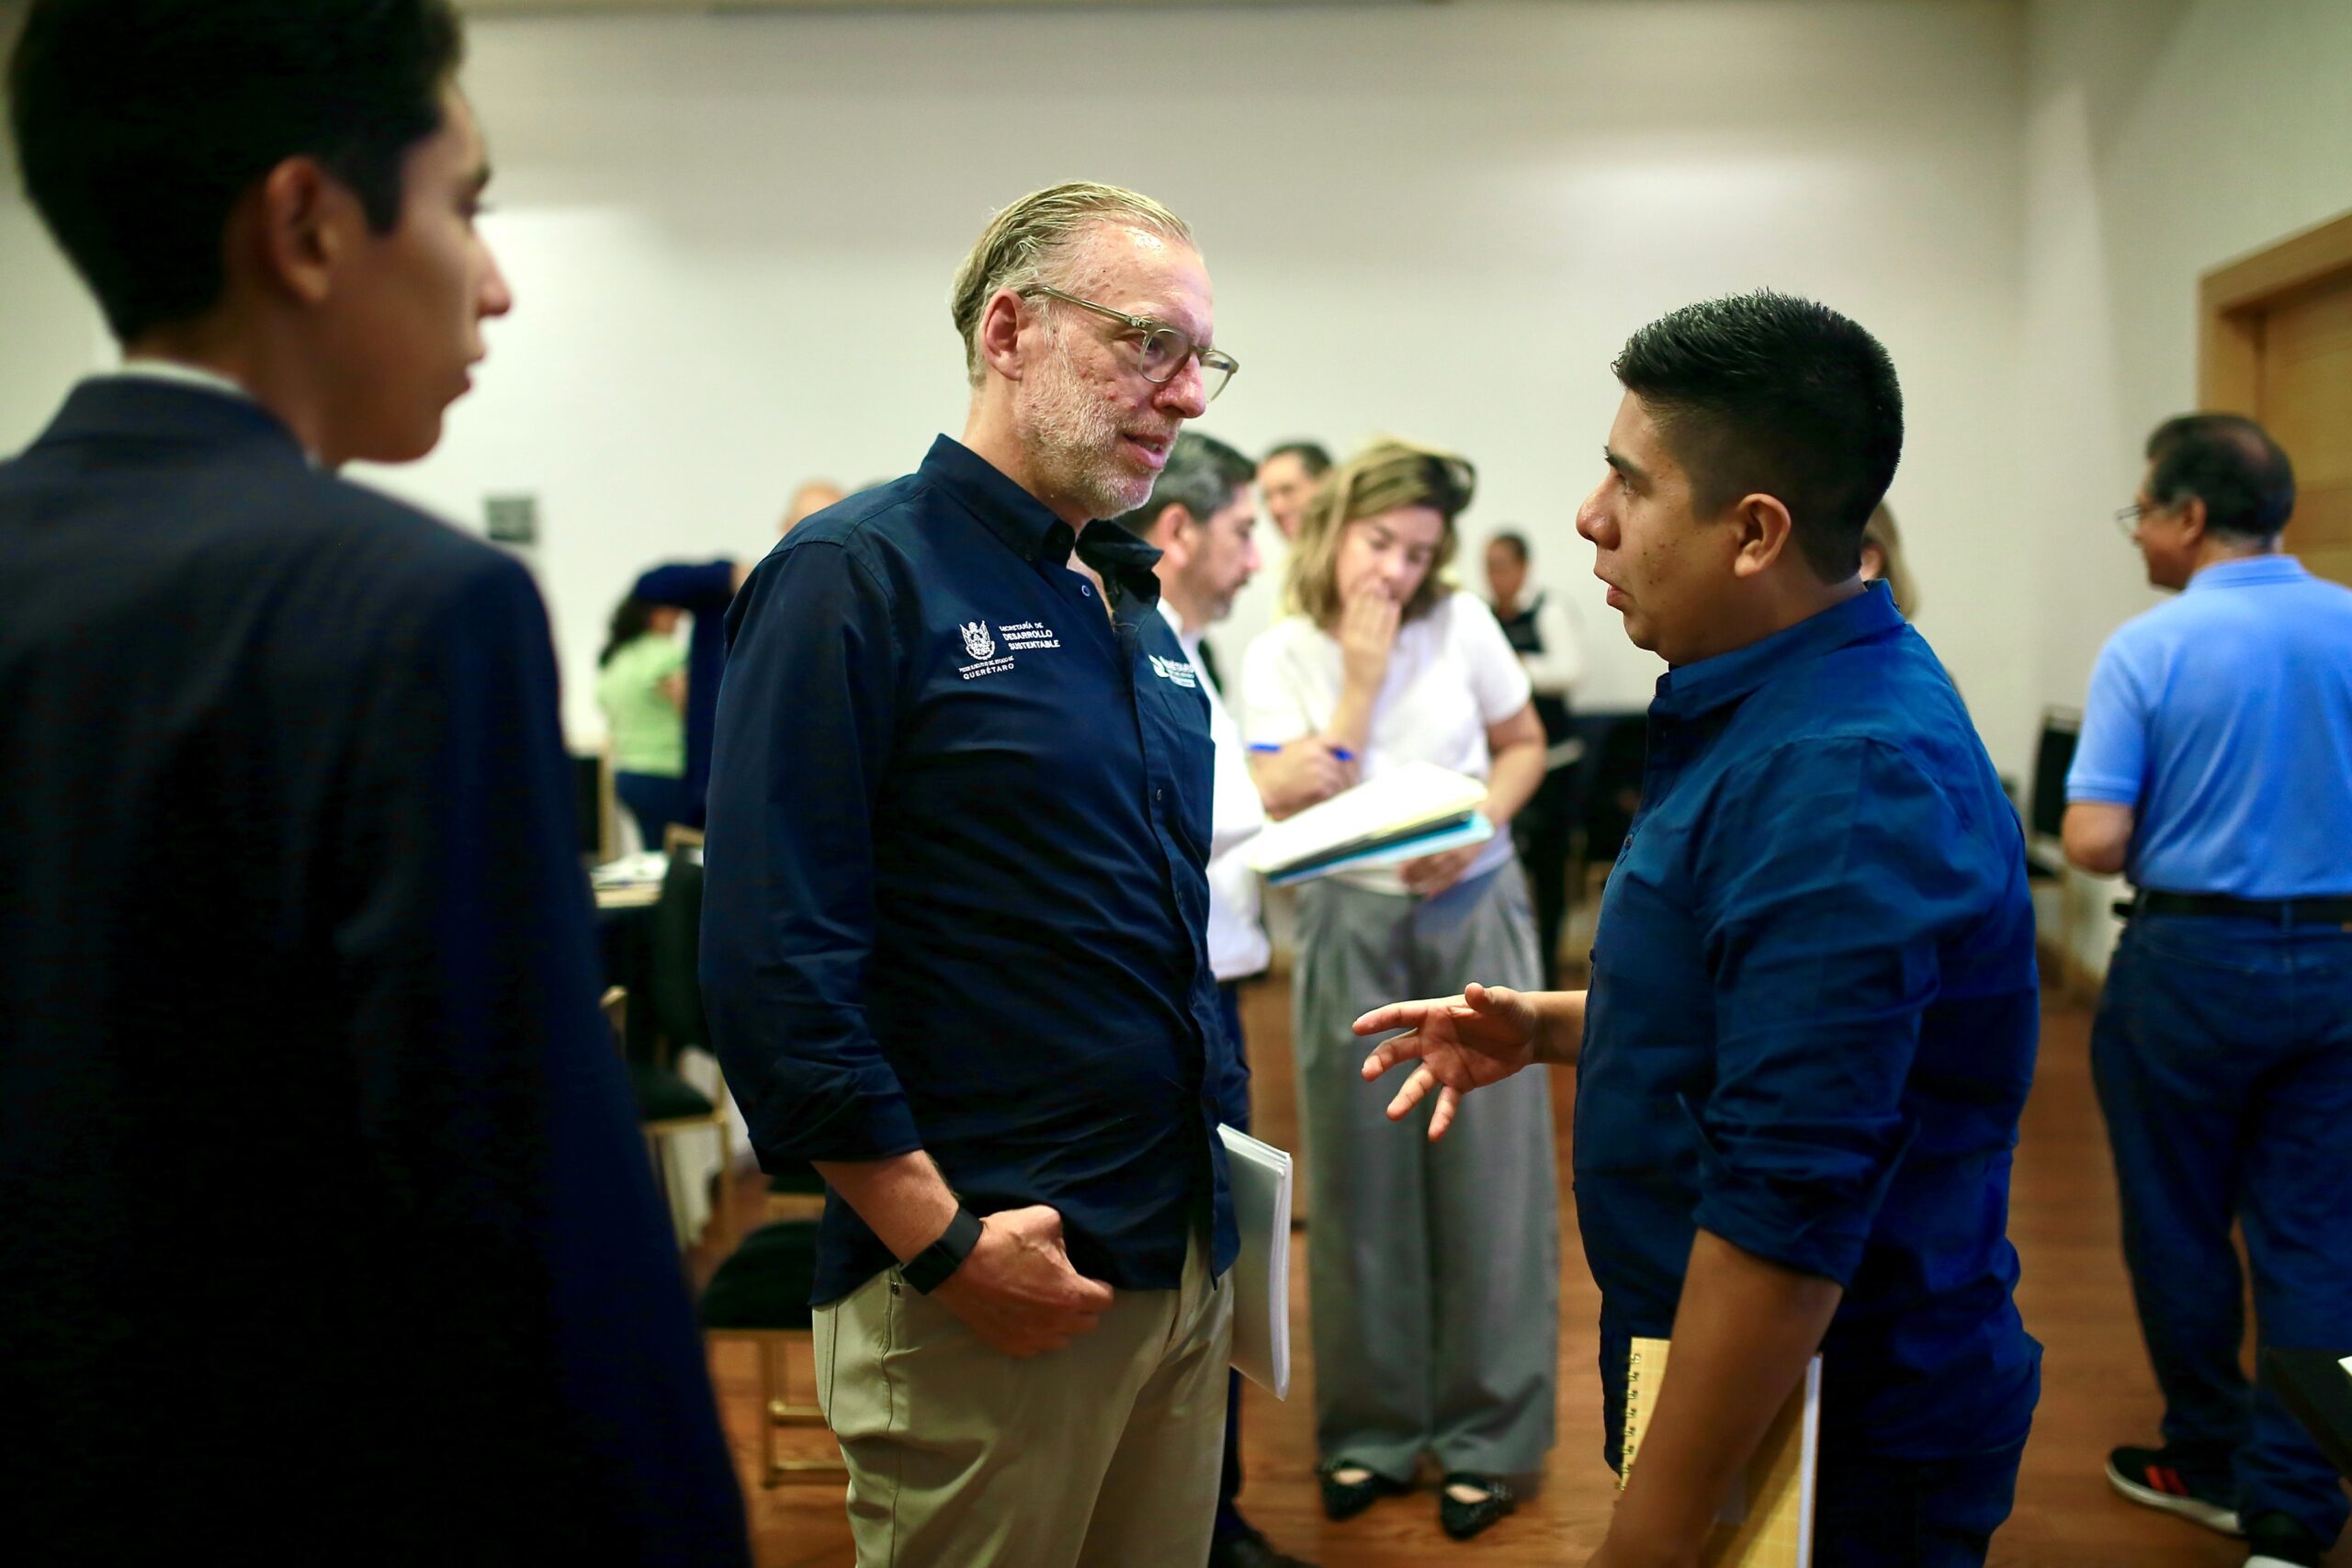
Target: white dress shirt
point(1237, 944)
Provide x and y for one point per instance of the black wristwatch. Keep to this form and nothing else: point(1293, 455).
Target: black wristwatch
point(928, 1269)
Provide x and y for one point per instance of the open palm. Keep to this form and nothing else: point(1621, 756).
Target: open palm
point(1461, 1043)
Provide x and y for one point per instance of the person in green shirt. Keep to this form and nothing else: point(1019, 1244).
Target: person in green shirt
point(642, 686)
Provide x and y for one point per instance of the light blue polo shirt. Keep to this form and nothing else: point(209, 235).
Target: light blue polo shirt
point(2225, 719)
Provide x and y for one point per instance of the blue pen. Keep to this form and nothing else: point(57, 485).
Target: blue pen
point(1342, 752)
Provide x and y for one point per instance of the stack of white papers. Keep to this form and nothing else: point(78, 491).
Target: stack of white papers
point(1414, 810)
point(1261, 1184)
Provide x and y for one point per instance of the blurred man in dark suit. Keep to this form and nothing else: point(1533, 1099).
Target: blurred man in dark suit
point(313, 1152)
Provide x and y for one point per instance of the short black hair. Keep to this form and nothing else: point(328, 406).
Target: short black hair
point(1767, 393)
point(2231, 464)
point(140, 123)
point(1311, 457)
point(1200, 476)
point(1512, 540)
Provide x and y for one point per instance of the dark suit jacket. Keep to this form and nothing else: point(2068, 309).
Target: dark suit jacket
point(326, 1234)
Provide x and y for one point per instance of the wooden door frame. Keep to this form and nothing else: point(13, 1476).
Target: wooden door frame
point(2231, 300)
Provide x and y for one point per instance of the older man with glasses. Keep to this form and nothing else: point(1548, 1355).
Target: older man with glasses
point(955, 929)
point(2215, 770)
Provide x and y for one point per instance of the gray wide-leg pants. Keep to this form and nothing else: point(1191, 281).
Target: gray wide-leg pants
point(1433, 1269)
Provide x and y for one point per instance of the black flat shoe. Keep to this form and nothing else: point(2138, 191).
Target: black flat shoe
point(1346, 1499)
point(1461, 1520)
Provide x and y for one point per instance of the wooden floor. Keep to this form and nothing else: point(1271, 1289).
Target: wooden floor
point(2096, 1389)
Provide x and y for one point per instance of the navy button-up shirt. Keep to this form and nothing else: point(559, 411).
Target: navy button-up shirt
point(957, 896)
point(1812, 1025)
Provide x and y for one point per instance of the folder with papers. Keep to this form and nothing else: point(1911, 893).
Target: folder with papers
point(1767, 1522)
point(1413, 811)
point(1261, 1186)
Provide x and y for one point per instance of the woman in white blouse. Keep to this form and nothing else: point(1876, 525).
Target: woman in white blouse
point(1433, 1268)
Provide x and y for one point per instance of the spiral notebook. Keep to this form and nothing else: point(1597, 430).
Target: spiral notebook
point(1767, 1522)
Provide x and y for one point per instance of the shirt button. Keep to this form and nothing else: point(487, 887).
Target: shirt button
point(1160, 794)
point(1087, 589)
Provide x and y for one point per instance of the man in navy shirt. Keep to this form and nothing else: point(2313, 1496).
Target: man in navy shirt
point(953, 928)
point(311, 1139)
point(2215, 770)
point(1813, 1013)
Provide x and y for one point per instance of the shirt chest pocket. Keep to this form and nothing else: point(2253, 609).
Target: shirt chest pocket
point(1649, 966)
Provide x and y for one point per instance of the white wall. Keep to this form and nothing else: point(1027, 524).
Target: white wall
point(50, 332)
point(731, 238)
point(2164, 137)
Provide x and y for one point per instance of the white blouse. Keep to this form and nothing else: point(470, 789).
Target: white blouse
point(1451, 676)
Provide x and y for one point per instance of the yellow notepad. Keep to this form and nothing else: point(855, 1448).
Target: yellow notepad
point(1768, 1520)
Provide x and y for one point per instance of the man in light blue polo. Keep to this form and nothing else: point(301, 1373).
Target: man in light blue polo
point(2215, 770)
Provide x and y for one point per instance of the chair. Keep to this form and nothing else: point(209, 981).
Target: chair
point(668, 1106)
point(760, 1295)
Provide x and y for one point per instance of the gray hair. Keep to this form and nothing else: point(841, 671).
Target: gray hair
point(1200, 476)
point(1036, 232)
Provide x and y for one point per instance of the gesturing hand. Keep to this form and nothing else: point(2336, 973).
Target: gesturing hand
point(1017, 1291)
point(1461, 1042)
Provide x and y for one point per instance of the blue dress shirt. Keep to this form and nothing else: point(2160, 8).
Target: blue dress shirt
point(2224, 719)
point(1812, 1026)
point(958, 896)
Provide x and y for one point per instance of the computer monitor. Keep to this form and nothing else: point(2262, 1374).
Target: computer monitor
point(2053, 755)
point(592, 799)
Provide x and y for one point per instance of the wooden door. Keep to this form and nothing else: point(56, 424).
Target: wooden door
point(2277, 343)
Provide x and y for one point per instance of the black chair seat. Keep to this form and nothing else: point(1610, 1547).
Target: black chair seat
point(663, 1096)
point(766, 1283)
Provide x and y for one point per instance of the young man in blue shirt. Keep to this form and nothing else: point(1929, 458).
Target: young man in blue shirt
point(2215, 770)
point(1813, 1014)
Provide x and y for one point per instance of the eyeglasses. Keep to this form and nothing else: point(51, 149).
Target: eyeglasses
point(2128, 518)
point(1163, 349)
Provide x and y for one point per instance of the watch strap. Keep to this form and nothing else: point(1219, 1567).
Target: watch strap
point(929, 1270)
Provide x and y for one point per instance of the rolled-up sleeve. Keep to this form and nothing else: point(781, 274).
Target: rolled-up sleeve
point(1829, 899)
point(806, 719)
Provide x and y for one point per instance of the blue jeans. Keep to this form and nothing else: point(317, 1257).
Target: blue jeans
point(1871, 1512)
point(2223, 1058)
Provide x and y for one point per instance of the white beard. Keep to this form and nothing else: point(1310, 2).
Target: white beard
point(1073, 440)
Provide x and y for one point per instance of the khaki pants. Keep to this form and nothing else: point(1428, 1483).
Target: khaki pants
point(961, 1457)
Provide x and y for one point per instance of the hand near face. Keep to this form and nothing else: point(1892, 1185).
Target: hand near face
point(1367, 635)
point(1461, 1042)
point(1301, 774)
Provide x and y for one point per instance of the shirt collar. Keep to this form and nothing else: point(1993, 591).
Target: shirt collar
point(1710, 684)
point(1189, 640)
point(1011, 514)
point(2247, 570)
point(1030, 530)
point(173, 371)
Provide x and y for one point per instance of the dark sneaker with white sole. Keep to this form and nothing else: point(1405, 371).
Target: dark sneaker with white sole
point(2156, 1478)
point(2279, 1543)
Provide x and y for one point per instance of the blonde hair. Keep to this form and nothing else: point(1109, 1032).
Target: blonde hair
point(1880, 533)
point(1385, 476)
point(1036, 233)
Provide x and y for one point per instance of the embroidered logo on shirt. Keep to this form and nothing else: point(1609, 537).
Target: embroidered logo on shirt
point(1177, 669)
point(977, 641)
point(1028, 635)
